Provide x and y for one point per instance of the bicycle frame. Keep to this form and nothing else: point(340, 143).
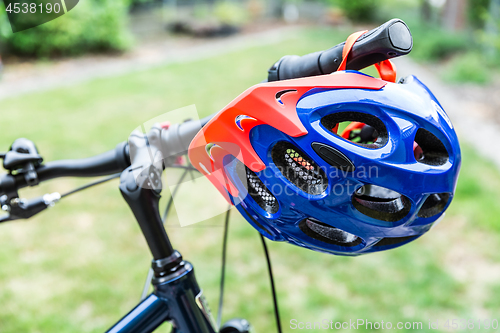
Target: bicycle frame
point(177, 296)
point(178, 299)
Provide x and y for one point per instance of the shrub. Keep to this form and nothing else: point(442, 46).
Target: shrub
point(230, 13)
point(93, 25)
point(490, 37)
point(477, 12)
point(5, 29)
point(432, 43)
point(357, 10)
point(468, 67)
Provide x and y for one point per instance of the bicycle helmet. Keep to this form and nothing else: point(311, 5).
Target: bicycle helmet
point(277, 154)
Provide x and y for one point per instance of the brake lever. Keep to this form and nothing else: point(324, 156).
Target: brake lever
point(23, 158)
point(19, 209)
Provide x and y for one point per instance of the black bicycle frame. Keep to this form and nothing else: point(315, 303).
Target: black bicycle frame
point(177, 297)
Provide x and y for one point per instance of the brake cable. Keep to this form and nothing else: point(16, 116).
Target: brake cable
point(223, 268)
point(86, 186)
point(117, 175)
point(171, 200)
point(271, 280)
point(19, 208)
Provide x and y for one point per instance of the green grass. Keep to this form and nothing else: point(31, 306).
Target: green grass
point(478, 192)
point(79, 266)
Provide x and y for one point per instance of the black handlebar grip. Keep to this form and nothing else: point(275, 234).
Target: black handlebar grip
point(107, 163)
point(391, 39)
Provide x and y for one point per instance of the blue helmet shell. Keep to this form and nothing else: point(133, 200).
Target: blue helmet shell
point(407, 111)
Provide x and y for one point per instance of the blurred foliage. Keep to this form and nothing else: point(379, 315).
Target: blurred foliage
point(140, 2)
point(477, 49)
point(403, 9)
point(478, 11)
point(5, 29)
point(433, 43)
point(225, 12)
point(94, 25)
point(230, 13)
point(468, 67)
point(490, 36)
point(357, 10)
point(490, 44)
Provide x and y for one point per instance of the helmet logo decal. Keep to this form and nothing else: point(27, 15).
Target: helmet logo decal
point(208, 148)
point(240, 118)
point(204, 168)
point(281, 93)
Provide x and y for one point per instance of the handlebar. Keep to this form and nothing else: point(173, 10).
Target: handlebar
point(178, 137)
point(140, 190)
point(391, 39)
point(107, 163)
point(175, 140)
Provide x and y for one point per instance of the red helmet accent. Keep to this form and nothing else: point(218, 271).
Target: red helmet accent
point(272, 103)
point(386, 69)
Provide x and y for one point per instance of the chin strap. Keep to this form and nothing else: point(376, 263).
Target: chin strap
point(348, 47)
point(386, 69)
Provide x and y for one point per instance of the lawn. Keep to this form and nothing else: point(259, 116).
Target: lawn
point(80, 266)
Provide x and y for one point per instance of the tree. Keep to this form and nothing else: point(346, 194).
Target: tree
point(425, 10)
point(455, 15)
point(492, 29)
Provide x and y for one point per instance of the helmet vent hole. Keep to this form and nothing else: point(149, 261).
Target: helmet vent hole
point(428, 149)
point(359, 128)
point(387, 241)
point(381, 203)
point(434, 204)
point(328, 234)
point(358, 132)
point(257, 189)
point(299, 168)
